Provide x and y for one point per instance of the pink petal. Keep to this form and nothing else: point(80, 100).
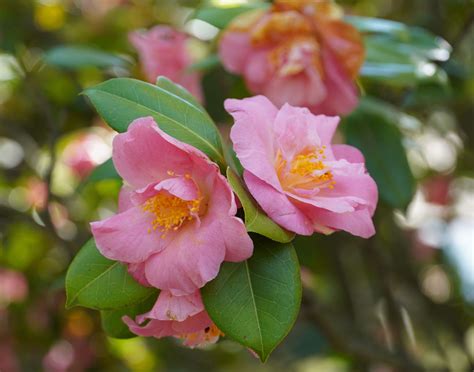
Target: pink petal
point(238, 244)
point(349, 153)
point(277, 206)
point(193, 324)
point(234, 48)
point(358, 223)
point(182, 187)
point(137, 271)
point(124, 200)
point(192, 260)
point(154, 328)
point(178, 308)
point(222, 208)
point(125, 237)
point(342, 95)
point(252, 136)
point(144, 155)
point(304, 89)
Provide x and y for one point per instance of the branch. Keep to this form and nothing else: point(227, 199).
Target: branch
point(344, 338)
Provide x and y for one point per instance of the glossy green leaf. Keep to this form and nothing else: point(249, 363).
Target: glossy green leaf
point(255, 219)
point(220, 17)
point(256, 302)
point(120, 101)
point(178, 90)
point(112, 322)
point(96, 282)
point(76, 57)
point(379, 139)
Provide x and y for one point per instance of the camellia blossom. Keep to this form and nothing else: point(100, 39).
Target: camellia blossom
point(176, 222)
point(299, 52)
point(164, 51)
point(301, 181)
point(183, 317)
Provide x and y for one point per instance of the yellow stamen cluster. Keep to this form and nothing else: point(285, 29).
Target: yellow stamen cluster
point(306, 170)
point(170, 212)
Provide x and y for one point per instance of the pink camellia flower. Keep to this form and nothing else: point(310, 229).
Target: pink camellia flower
point(301, 181)
point(164, 51)
point(176, 222)
point(299, 52)
point(183, 317)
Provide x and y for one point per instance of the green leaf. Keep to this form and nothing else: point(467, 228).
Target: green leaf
point(401, 55)
point(255, 219)
point(378, 137)
point(98, 283)
point(256, 302)
point(220, 17)
point(377, 25)
point(176, 89)
point(408, 39)
point(76, 57)
point(120, 101)
point(204, 64)
point(112, 322)
point(399, 63)
point(104, 171)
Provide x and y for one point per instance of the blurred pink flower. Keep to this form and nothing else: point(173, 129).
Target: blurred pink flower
point(299, 52)
point(302, 182)
point(163, 51)
point(183, 317)
point(176, 222)
point(36, 193)
point(60, 357)
point(13, 287)
point(85, 152)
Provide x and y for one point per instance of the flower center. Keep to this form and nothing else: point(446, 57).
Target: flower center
point(170, 212)
point(306, 171)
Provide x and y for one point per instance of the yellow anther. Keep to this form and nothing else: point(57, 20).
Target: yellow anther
point(307, 170)
point(170, 212)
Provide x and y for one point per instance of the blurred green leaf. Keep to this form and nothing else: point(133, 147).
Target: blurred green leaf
point(207, 63)
point(76, 57)
point(255, 219)
point(401, 55)
point(98, 283)
point(120, 101)
point(411, 40)
point(379, 139)
point(104, 171)
point(377, 25)
point(256, 302)
point(220, 17)
point(113, 324)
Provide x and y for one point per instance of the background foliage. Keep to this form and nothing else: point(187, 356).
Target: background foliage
point(402, 300)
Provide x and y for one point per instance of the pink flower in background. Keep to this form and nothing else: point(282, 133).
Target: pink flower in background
point(182, 317)
point(13, 287)
point(163, 52)
point(176, 222)
point(299, 52)
point(302, 182)
point(86, 151)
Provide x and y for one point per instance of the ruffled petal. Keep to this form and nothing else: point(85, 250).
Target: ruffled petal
point(277, 206)
point(127, 237)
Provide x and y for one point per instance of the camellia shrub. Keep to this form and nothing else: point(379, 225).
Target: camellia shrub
point(202, 244)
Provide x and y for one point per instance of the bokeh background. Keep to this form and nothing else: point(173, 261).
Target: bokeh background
point(401, 301)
